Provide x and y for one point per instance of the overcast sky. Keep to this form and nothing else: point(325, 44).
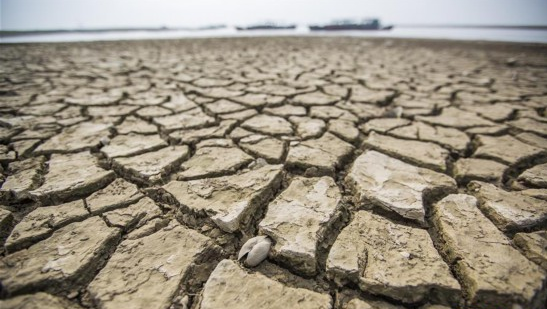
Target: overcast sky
point(73, 14)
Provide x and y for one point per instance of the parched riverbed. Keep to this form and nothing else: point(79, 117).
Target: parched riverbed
point(386, 173)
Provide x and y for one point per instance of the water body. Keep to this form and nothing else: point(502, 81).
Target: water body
point(482, 34)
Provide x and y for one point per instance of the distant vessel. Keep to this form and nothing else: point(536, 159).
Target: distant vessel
point(267, 26)
point(366, 24)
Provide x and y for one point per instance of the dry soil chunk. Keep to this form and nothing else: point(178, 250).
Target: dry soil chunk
point(147, 272)
point(263, 146)
point(344, 129)
point(25, 176)
point(315, 98)
point(324, 154)
point(228, 200)
point(298, 219)
point(510, 211)
point(535, 176)
point(456, 118)
point(213, 161)
point(223, 106)
point(505, 149)
point(229, 286)
point(423, 154)
point(382, 125)
point(37, 301)
point(76, 138)
point(117, 194)
point(361, 304)
point(467, 169)
point(395, 185)
point(195, 135)
point(132, 144)
point(193, 118)
point(42, 221)
point(151, 166)
point(307, 127)
point(138, 213)
point(530, 125)
point(448, 137)
point(534, 246)
point(374, 252)
point(69, 256)
point(72, 175)
point(492, 271)
point(271, 125)
point(133, 124)
point(286, 110)
point(6, 222)
point(533, 139)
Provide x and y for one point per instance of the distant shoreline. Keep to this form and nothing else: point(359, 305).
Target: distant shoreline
point(12, 33)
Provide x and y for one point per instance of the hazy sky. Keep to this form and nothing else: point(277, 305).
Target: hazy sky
point(71, 14)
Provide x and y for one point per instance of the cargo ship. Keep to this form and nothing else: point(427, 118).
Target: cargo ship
point(267, 26)
point(366, 24)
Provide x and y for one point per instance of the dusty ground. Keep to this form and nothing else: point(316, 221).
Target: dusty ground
point(387, 173)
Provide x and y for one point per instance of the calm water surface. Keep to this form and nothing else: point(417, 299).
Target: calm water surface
point(486, 34)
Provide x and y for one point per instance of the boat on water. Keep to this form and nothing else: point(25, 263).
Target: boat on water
point(346, 24)
point(267, 26)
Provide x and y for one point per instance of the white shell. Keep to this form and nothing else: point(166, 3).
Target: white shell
point(256, 249)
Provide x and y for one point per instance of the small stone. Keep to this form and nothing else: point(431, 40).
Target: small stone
point(509, 211)
point(255, 250)
point(230, 286)
point(376, 179)
point(213, 161)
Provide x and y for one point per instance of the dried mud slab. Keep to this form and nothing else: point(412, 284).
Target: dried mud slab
point(230, 286)
point(298, 220)
point(37, 301)
point(373, 252)
point(147, 272)
point(490, 269)
point(378, 180)
point(213, 161)
point(71, 175)
point(228, 200)
point(68, 257)
point(533, 246)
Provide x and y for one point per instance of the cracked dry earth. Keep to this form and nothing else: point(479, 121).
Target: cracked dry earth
point(388, 174)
